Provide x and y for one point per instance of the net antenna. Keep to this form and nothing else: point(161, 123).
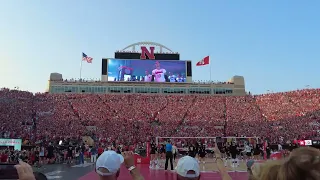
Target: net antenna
point(228, 137)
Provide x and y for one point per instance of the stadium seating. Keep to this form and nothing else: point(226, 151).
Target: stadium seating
point(134, 118)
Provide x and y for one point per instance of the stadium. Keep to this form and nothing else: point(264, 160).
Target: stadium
point(146, 97)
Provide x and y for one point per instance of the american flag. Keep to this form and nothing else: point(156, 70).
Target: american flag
point(86, 58)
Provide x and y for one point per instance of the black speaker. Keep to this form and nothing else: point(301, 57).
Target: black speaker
point(104, 67)
point(189, 68)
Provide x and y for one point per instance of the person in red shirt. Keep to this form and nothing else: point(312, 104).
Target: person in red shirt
point(131, 148)
point(100, 151)
point(4, 157)
point(32, 157)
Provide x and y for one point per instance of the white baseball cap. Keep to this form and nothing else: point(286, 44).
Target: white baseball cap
point(186, 164)
point(109, 160)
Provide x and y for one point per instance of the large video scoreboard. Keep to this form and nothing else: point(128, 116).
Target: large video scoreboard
point(146, 66)
point(146, 70)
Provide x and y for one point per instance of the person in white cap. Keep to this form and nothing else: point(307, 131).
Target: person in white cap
point(109, 162)
point(188, 169)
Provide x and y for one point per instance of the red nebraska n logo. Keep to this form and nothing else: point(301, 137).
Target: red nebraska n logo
point(146, 53)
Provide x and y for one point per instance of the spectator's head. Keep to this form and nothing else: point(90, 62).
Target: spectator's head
point(108, 165)
point(188, 169)
point(303, 163)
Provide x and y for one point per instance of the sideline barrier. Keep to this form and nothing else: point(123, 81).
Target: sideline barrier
point(141, 160)
point(276, 156)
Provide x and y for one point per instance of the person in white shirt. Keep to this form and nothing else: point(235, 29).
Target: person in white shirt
point(279, 147)
point(180, 78)
point(159, 73)
point(147, 77)
point(172, 78)
point(248, 151)
point(174, 152)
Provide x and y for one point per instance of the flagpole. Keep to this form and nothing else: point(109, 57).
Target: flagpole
point(81, 67)
point(210, 67)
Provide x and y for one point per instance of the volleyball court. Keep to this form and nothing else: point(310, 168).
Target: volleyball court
point(152, 165)
point(236, 166)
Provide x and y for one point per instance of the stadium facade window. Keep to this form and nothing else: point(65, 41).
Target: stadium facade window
point(217, 91)
point(127, 90)
point(223, 91)
point(91, 89)
point(229, 91)
point(173, 91)
point(58, 89)
point(61, 89)
point(155, 90)
point(199, 91)
point(82, 89)
point(138, 90)
point(100, 89)
point(147, 89)
point(68, 89)
point(115, 89)
point(52, 89)
point(74, 89)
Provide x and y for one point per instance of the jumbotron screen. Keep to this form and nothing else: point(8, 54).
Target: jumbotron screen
point(146, 70)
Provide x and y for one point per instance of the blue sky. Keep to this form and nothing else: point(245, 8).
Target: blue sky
point(273, 44)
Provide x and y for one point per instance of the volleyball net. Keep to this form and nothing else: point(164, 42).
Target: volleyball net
point(208, 141)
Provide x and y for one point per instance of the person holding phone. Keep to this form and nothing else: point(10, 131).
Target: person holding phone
point(21, 171)
point(220, 164)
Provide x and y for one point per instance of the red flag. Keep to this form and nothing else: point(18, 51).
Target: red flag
point(204, 61)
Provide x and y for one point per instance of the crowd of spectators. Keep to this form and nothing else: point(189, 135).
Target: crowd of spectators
point(137, 118)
